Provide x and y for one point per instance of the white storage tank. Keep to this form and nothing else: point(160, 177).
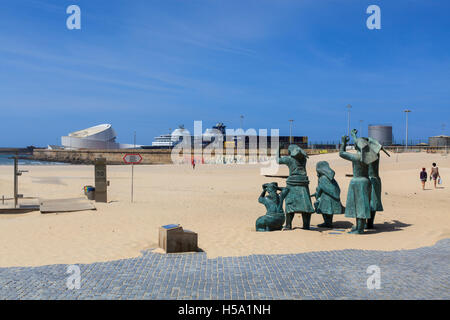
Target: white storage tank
point(382, 133)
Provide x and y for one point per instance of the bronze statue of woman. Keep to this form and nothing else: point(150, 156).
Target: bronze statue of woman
point(375, 180)
point(328, 194)
point(274, 217)
point(296, 193)
point(359, 190)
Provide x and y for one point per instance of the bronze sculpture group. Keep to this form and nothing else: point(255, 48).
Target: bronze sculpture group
point(363, 197)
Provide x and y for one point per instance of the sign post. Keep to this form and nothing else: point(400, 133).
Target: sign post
point(132, 158)
point(101, 182)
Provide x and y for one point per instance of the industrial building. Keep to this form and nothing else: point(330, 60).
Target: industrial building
point(170, 140)
point(439, 141)
point(382, 133)
point(102, 136)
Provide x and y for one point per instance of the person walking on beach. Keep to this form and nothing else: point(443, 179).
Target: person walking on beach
point(434, 174)
point(193, 163)
point(423, 177)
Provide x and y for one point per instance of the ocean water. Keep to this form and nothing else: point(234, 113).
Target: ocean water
point(5, 161)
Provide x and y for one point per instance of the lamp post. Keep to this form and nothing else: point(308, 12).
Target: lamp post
point(406, 112)
point(290, 130)
point(132, 170)
point(348, 120)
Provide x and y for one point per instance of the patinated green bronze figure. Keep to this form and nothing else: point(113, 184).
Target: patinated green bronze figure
point(375, 196)
point(328, 194)
point(359, 190)
point(297, 196)
point(274, 218)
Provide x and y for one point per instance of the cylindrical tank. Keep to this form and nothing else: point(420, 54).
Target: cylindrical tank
point(439, 141)
point(382, 133)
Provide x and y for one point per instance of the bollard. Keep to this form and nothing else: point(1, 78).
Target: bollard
point(101, 184)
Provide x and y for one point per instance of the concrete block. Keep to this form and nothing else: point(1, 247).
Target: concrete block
point(172, 239)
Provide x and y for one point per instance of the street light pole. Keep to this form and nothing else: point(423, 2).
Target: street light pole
point(348, 123)
point(290, 130)
point(132, 170)
point(406, 112)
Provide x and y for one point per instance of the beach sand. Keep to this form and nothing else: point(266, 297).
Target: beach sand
point(219, 202)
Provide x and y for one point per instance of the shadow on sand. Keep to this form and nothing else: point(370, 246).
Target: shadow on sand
point(388, 227)
point(341, 225)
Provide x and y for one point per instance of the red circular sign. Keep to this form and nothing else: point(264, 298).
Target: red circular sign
point(132, 158)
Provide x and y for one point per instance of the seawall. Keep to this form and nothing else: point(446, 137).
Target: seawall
point(149, 156)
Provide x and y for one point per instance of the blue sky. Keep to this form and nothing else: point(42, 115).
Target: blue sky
point(147, 66)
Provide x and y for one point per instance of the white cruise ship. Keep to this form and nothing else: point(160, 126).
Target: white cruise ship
point(164, 140)
point(170, 140)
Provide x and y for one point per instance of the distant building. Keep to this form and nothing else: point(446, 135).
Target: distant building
point(382, 133)
point(210, 134)
point(102, 136)
point(283, 141)
point(439, 141)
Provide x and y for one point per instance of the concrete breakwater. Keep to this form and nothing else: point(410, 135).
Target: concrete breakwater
point(149, 156)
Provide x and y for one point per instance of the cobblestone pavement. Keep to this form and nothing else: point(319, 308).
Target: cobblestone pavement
point(408, 274)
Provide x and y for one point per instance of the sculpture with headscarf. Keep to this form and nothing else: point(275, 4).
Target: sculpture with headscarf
point(274, 217)
point(297, 198)
point(358, 196)
point(371, 156)
point(328, 194)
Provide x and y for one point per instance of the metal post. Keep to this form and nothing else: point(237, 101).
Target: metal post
point(348, 120)
point(132, 178)
point(406, 143)
point(16, 175)
point(132, 170)
point(290, 131)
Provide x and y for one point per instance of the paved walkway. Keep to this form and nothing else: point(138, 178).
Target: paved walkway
point(409, 274)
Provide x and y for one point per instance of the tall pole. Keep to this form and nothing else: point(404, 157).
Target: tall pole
point(348, 120)
point(406, 143)
point(446, 140)
point(132, 170)
point(242, 122)
point(16, 174)
point(290, 130)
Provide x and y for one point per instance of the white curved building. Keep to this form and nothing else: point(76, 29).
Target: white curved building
point(102, 136)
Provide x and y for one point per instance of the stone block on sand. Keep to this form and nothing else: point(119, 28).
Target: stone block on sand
point(173, 239)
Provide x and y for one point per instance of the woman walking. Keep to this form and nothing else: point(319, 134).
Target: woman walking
point(434, 174)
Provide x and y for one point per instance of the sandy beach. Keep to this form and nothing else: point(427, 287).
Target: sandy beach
point(219, 202)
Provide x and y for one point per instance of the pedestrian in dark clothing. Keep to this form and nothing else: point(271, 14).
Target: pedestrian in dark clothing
point(423, 177)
